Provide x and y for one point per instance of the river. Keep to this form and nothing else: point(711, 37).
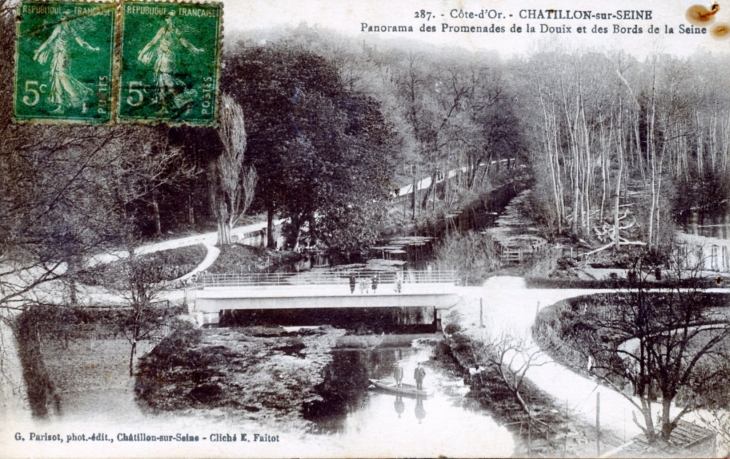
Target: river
point(351, 420)
point(707, 225)
point(377, 423)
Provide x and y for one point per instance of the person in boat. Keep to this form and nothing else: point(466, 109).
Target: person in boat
point(419, 375)
point(352, 284)
point(398, 374)
point(400, 407)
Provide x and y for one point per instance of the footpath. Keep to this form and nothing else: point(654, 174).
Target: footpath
point(509, 307)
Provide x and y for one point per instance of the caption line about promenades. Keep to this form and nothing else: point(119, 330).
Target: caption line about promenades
point(600, 22)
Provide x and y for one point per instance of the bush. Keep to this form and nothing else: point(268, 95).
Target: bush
point(472, 255)
point(29, 328)
point(174, 263)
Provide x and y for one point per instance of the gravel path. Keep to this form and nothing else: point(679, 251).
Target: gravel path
point(510, 307)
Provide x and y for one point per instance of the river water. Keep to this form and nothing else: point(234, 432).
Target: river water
point(707, 225)
point(351, 420)
point(378, 423)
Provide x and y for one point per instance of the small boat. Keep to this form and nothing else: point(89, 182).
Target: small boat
point(404, 389)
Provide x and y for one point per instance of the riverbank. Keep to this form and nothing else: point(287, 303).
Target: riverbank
point(239, 259)
point(550, 430)
point(256, 374)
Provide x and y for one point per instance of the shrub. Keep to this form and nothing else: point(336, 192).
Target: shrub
point(471, 255)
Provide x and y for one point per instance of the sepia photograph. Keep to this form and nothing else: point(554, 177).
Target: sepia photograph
point(423, 228)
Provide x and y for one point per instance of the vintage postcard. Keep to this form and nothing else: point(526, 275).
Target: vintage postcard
point(423, 228)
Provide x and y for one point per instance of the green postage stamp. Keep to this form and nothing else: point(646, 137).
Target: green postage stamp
point(64, 62)
point(117, 61)
point(169, 62)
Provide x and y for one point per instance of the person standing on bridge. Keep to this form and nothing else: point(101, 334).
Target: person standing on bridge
point(375, 283)
point(352, 283)
point(419, 375)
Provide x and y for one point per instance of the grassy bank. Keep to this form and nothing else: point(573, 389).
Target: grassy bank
point(535, 282)
point(554, 321)
point(238, 258)
point(550, 432)
point(72, 357)
point(175, 263)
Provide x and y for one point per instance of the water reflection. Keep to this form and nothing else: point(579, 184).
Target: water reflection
point(399, 405)
point(384, 423)
point(345, 385)
point(420, 410)
point(707, 224)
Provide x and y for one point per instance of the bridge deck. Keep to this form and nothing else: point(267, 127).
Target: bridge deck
point(214, 299)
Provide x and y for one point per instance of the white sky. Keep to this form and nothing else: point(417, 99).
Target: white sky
point(346, 16)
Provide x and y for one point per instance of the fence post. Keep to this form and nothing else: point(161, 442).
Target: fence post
point(481, 317)
point(598, 424)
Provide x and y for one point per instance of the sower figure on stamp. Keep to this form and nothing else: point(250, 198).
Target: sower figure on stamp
point(398, 374)
point(66, 91)
point(419, 374)
point(163, 52)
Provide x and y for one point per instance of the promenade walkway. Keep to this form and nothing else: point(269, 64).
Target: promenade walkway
point(510, 307)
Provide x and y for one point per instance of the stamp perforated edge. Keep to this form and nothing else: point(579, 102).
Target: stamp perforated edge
point(60, 121)
point(118, 67)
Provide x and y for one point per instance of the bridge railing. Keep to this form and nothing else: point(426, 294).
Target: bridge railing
point(321, 278)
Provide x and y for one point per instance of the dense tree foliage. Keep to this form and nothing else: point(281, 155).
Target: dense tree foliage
point(321, 150)
point(620, 149)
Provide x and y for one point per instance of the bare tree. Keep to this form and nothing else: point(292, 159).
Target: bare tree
point(234, 186)
point(510, 356)
point(656, 347)
point(145, 315)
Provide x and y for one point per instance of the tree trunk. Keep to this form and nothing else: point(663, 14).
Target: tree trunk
point(414, 199)
point(224, 232)
point(424, 204)
point(667, 426)
point(620, 154)
point(131, 357)
point(270, 243)
point(224, 225)
point(648, 423)
point(158, 220)
point(652, 157)
point(191, 212)
point(71, 272)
